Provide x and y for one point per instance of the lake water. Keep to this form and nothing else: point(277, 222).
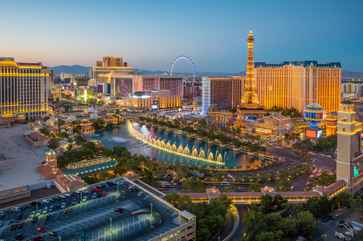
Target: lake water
point(121, 136)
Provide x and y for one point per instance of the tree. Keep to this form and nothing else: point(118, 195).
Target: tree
point(273, 219)
point(99, 124)
point(179, 201)
point(210, 217)
point(44, 131)
point(269, 236)
point(53, 143)
point(119, 152)
point(319, 207)
point(344, 199)
point(269, 204)
point(305, 224)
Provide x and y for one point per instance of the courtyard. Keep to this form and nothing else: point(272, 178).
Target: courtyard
point(18, 159)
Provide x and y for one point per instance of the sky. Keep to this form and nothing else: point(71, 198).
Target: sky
point(150, 34)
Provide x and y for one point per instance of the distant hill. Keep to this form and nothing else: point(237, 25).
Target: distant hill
point(71, 69)
point(352, 75)
point(150, 72)
point(80, 69)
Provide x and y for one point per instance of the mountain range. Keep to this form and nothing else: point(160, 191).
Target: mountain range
point(80, 69)
point(70, 69)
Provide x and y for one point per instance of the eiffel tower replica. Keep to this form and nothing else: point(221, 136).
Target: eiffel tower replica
point(250, 106)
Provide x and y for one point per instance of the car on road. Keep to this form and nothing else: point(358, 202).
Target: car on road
point(41, 229)
point(339, 235)
point(349, 234)
point(345, 225)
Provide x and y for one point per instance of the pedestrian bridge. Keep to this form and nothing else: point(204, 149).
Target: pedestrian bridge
point(248, 198)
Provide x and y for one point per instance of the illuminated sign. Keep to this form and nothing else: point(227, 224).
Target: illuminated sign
point(312, 133)
point(263, 131)
point(251, 118)
point(154, 107)
point(356, 171)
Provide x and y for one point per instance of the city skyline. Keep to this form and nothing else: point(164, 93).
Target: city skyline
point(183, 120)
point(82, 31)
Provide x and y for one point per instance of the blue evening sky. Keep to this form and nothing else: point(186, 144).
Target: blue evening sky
point(149, 34)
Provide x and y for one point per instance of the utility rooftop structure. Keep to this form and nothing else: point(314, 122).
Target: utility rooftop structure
point(115, 210)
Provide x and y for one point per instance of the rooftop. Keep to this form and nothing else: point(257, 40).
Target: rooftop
point(117, 210)
point(9, 61)
point(306, 63)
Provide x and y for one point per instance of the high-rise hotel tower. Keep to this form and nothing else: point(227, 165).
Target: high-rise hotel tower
point(295, 84)
point(23, 89)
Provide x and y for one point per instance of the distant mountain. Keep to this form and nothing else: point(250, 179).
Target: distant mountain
point(352, 75)
point(71, 69)
point(80, 69)
point(150, 72)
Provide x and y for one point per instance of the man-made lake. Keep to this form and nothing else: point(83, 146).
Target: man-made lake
point(123, 137)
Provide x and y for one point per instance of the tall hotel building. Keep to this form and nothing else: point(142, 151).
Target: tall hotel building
point(113, 76)
point(159, 82)
point(221, 93)
point(173, 84)
point(296, 84)
point(23, 89)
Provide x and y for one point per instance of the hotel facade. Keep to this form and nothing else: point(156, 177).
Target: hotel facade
point(114, 77)
point(296, 84)
point(221, 93)
point(24, 89)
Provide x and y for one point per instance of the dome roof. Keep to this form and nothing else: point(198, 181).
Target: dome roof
point(313, 106)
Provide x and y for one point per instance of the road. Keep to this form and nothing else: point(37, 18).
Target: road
point(238, 235)
point(323, 161)
point(328, 229)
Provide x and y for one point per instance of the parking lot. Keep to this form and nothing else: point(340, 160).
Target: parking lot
point(113, 210)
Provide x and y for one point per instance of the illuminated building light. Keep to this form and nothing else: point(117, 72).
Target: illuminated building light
point(348, 145)
point(249, 98)
point(296, 84)
point(23, 89)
